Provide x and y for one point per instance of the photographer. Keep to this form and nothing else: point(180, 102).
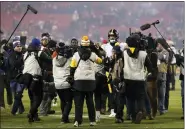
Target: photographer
point(33, 76)
point(48, 46)
point(135, 61)
point(82, 70)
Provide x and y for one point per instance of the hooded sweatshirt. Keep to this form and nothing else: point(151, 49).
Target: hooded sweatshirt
point(84, 75)
point(61, 70)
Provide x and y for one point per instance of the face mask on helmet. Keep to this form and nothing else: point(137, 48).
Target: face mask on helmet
point(112, 39)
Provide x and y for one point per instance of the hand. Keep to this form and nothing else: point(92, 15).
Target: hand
point(113, 56)
point(72, 89)
point(70, 79)
point(97, 46)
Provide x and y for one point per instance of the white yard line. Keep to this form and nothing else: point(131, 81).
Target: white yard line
point(84, 116)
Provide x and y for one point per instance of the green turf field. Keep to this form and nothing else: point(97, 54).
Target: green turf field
point(169, 120)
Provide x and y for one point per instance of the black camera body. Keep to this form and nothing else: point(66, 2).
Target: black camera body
point(143, 42)
point(65, 51)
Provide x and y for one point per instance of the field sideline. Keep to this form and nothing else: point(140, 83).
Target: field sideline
point(169, 120)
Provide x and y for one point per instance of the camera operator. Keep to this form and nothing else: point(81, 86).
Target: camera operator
point(61, 70)
point(32, 71)
point(135, 61)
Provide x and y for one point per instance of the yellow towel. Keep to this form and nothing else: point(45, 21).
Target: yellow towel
point(109, 86)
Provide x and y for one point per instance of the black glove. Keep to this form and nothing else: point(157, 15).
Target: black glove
point(72, 89)
point(70, 80)
point(122, 76)
point(121, 87)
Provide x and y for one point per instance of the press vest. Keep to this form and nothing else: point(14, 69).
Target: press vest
point(134, 68)
point(85, 69)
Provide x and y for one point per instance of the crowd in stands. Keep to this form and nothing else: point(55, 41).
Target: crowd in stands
point(96, 18)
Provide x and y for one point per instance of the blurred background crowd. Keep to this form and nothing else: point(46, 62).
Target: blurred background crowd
point(64, 20)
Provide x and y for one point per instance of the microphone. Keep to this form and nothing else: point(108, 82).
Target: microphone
point(156, 22)
point(32, 9)
point(145, 27)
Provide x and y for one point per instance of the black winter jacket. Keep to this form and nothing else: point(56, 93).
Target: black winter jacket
point(15, 65)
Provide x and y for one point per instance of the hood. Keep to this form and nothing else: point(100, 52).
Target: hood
point(84, 53)
point(132, 52)
point(60, 61)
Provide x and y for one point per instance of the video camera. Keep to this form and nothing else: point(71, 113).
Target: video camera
point(143, 42)
point(64, 50)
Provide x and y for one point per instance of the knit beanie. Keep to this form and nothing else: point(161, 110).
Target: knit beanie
point(85, 41)
point(35, 42)
point(16, 41)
